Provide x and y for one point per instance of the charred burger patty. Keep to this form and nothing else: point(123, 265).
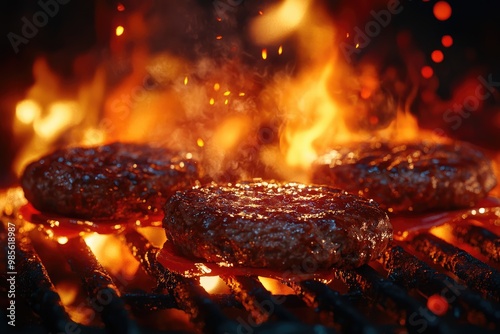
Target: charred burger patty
point(409, 177)
point(276, 225)
point(116, 181)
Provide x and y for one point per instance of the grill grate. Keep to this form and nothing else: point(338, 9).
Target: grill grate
point(476, 274)
point(388, 296)
point(410, 272)
point(481, 239)
point(98, 285)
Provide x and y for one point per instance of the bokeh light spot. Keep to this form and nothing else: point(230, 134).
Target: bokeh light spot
point(427, 72)
point(437, 56)
point(442, 10)
point(447, 41)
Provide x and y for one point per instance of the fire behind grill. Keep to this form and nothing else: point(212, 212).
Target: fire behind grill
point(396, 294)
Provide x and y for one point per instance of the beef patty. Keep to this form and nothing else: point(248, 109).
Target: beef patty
point(409, 177)
point(276, 226)
point(116, 181)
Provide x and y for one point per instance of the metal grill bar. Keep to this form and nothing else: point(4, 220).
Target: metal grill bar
point(34, 285)
point(99, 286)
point(482, 239)
point(476, 274)
point(145, 253)
point(188, 293)
point(409, 272)
point(257, 300)
point(379, 289)
point(146, 302)
point(195, 301)
point(324, 298)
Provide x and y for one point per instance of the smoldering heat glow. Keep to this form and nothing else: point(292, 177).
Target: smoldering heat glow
point(279, 21)
point(112, 254)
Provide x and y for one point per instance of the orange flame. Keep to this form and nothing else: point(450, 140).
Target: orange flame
point(280, 20)
point(112, 254)
point(211, 283)
point(67, 291)
point(161, 93)
point(51, 110)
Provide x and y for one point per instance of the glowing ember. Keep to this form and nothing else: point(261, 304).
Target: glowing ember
point(442, 10)
point(112, 254)
point(119, 30)
point(275, 286)
point(427, 72)
point(67, 291)
point(437, 56)
point(438, 304)
point(62, 240)
point(264, 54)
point(154, 235)
point(280, 49)
point(447, 41)
point(210, 283)
point(442, 232)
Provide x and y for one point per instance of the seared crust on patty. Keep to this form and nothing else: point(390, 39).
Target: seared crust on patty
point(276, 226)
point(116, 181)
point(409, 177)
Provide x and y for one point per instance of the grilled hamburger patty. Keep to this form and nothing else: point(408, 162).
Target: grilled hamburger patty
point(116, 181)
point(276, 226)
point(414, 176)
